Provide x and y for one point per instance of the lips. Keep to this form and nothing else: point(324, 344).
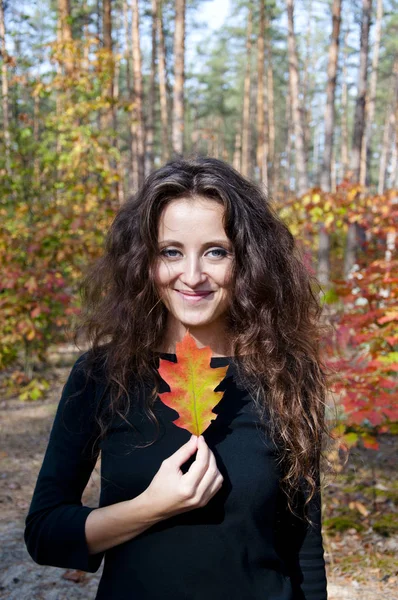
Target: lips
point(194, 294)
point(194, 297)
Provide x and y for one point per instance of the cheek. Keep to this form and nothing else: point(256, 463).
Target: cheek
point(226, 277)
point(163, 274)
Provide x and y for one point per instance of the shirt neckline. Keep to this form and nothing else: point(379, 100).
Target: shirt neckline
point(215, 360)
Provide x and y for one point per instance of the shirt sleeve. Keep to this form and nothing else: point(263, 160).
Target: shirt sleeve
point(55, 525)
point(301, 547)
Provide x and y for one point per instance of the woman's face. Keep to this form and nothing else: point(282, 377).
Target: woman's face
point(193, 273)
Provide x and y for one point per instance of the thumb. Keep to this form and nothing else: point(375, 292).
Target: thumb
point(183, 453)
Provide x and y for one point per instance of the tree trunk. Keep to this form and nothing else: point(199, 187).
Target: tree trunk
point(327, 172)
point(388, 127)
point(165, 135)
point(330, 96)
point(262, 109)
point(323, 271)
point(301, 165)
point(128, 57)
point(237, 158)
point(109, 117)
point(366, 150)
point(288, 120)
point(271, 115)
point(305, 105)
point(385, 150)
point(179, 77)
point(246, 99)
point(65, 33)
point(4, 91)
point(359, 117)
point(344, 111)
point(351, 249)
point(128, 52)
point(394, 159)
point(150, 129)
point(137, 125)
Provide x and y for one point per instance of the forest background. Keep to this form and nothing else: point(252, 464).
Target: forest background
point(299, 95)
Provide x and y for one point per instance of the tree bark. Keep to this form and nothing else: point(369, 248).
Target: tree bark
point(4, 91)
point(128, 57)
point(366, 150)
point(301, 163)
point(137, 124)
point(326, 174)
point(163, 94)
point(394, 157)
point(305, 105)
point(330, 97)
point(262, 109)
point(65, 33)
point(246, 99)
point(359, 117)
point(271, 114)
point(128, 51)
point(179, 77)
point(150, 128)
point(385, 150)
point(390, 120)
point(109, 117)
point(237, 158)
point(344, 111)
point(288, 118)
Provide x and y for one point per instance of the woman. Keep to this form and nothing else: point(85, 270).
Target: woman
point(236, 512)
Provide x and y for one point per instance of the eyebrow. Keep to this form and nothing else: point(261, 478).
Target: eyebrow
point(224, 242)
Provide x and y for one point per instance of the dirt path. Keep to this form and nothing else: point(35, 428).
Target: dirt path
point(24, 431)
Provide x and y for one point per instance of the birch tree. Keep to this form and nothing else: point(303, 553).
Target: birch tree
point(294, 82)
point(367, 139)
point(326, 174)
point(4, 91)
point(360, 105)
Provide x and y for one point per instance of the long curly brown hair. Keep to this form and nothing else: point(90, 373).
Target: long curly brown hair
point(273, 320)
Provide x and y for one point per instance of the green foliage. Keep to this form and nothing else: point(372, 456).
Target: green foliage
point(55, 206)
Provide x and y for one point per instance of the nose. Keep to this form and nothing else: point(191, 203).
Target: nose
point(192, 274)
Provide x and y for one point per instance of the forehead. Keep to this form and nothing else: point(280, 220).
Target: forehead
point(199, 217)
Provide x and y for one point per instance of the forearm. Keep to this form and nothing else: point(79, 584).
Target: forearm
point(112, 525)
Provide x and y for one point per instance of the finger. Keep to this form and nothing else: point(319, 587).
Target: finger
point(199, 467)
point(208, 478)
point(215, 487)
point(182, 454)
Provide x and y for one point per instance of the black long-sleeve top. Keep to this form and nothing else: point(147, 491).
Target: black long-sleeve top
point(243, 545)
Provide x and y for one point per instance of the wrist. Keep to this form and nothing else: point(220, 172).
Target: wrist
point(147, 507)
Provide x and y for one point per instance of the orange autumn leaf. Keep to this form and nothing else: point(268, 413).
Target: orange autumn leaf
point(192, 382)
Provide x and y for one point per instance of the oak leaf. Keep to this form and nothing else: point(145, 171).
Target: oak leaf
point(192, 382)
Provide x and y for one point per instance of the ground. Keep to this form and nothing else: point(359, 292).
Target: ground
point(360, 508)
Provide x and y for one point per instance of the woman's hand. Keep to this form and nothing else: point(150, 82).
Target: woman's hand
point(172, 492)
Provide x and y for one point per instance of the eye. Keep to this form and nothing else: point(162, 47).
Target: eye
point(221, 251)
point(165, 253)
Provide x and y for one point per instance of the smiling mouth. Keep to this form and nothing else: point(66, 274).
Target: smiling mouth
point(196, 296)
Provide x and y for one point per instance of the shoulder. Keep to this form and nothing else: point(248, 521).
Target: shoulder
point(89, 366)
point(85, 378)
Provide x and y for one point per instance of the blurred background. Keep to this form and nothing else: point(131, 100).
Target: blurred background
point(299, 95)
